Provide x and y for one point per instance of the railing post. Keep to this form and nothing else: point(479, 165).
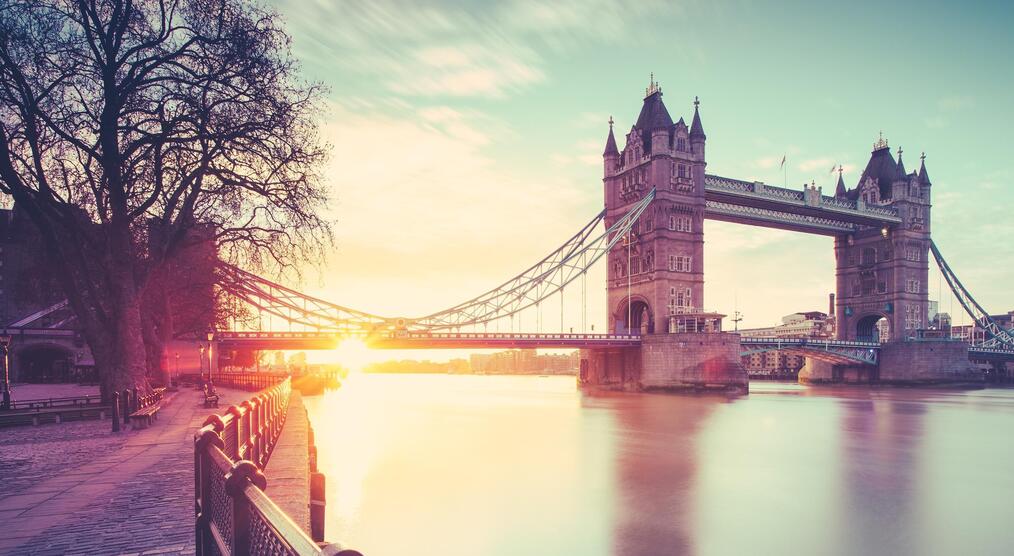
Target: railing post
point(317, 506)
point(116, 412)
point(202, 484)
point(235, 484)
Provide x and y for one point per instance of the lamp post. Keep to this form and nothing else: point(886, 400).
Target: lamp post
point(211, 336)
point(200, 362)
point(5, 343)
point(177, 373)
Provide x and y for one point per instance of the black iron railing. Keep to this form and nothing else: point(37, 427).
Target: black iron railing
point(233, 514)
point(77, 401)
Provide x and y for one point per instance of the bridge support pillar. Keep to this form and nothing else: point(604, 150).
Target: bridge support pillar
point(687, 362)
point(920, 362)
point(815, 371)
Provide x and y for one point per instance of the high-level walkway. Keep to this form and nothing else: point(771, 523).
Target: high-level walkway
point(77, 488)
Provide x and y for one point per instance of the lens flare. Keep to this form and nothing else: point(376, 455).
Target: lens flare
point(354, 354)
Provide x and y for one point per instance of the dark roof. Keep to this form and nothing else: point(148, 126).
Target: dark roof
point(696, 129)
point(902, 174)
point(923, 176)
point(653, 114)
point(611, 143)
point(882, 168)
point(840, 191)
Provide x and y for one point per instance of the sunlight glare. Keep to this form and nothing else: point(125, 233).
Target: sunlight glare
point(354, 354)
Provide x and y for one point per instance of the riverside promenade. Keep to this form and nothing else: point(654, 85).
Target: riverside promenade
point(77, 488)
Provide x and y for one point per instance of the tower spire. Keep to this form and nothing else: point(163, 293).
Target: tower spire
point(696, 128)
point(923, 176)
point(652, 86)
point(611, 149)
point(902, 174)
point(840, 190)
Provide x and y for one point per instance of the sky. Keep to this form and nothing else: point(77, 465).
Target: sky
point(467, 136)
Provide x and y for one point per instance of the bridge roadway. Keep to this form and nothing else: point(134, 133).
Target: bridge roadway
point(423, 340)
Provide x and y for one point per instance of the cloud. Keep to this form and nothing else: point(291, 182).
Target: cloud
point(427, 218)
point(460, 50)
point(955, 103)
point(812, 164)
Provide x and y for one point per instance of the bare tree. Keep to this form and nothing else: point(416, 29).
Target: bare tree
point(125, 125)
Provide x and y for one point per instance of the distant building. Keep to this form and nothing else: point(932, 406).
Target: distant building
point(777, 364)
point(811, 324)
point(975, 334)
point(524, 361)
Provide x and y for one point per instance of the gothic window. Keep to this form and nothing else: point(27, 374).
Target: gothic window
point(680, 263)
point(681, 144)
point(911, 254)
point(869, 255)
point(912, 317)
point(912, 286)
point(881, 287)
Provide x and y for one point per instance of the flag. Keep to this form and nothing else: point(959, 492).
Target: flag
point(782, 165)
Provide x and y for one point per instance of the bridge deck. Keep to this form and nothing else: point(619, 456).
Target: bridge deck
point(425, 340)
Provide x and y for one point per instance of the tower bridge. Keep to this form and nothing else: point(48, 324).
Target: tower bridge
point(650, 235)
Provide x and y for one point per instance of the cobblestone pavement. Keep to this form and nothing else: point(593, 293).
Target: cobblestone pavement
point(80, 489)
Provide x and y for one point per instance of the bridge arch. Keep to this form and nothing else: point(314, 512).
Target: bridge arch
point(642, 317)
point(43, 362)
point(874, 327)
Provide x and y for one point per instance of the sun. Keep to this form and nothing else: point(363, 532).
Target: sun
point(354, 354)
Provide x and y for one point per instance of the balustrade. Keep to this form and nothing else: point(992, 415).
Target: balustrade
point(233, 515)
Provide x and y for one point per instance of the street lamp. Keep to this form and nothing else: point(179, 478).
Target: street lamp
point(177, 373)
point(211, 336)
point(5, 343)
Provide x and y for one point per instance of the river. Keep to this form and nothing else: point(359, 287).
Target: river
point(498, 465)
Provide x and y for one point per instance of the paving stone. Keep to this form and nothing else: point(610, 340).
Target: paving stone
point(78, 488)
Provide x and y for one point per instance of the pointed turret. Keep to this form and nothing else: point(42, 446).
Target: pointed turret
point(696, 129)
point(840, 191)
point(902, 174)
point(611, 142)
point(923, 176)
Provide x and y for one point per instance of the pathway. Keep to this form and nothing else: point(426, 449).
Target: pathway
point(84, 491)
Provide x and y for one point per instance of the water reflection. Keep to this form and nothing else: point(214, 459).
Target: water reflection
point(507, 465)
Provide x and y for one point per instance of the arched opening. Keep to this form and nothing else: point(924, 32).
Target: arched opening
point(641, 318)
point(873, 328)
point(44, 363)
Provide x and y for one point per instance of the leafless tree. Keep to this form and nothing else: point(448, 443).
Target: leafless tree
point(126, 125)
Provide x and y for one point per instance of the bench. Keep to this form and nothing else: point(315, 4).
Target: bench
point(142, 418)
point(210, 396)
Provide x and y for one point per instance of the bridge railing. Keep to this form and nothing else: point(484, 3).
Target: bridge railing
point(77, 401)
point(249, 381)
point(233, 515)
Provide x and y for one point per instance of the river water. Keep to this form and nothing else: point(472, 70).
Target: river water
point(477, 465)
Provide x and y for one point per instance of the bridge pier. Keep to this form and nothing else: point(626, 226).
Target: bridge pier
point(902, 363)
point(686, 362)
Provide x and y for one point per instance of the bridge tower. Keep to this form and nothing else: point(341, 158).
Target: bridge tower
point(655, 283)
point(882, 275)
point(657, 274)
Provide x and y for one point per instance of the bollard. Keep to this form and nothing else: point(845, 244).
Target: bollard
point(317, 504)
point(116, 412)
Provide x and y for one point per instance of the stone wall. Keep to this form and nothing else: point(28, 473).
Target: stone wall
point(927, 362)
point(699, 361)
point(669, 362)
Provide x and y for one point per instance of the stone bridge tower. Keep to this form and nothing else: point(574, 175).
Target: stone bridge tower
point(659, 273)
point(881, 275)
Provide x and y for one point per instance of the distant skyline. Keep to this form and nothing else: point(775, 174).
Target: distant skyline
point(468, 136)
